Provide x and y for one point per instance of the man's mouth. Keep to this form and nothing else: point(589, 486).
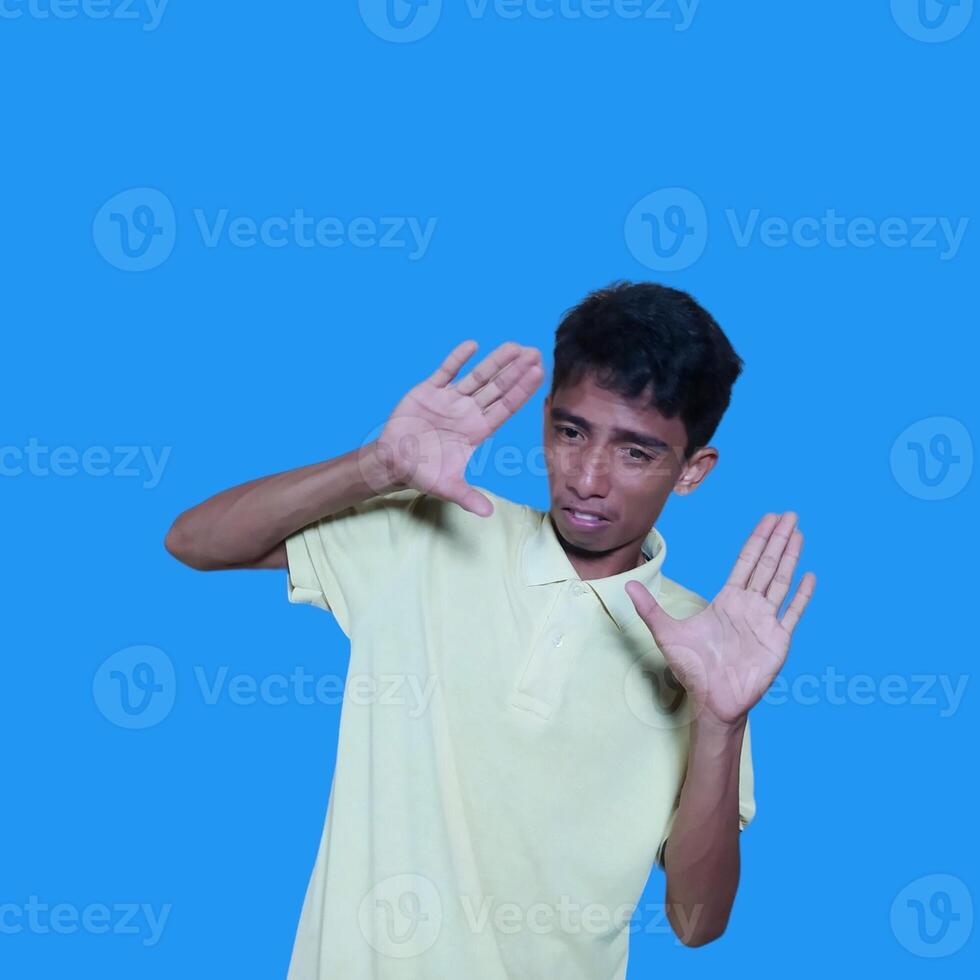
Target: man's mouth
point(585, 518)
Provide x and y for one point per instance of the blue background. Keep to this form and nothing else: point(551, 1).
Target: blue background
point(529, 141)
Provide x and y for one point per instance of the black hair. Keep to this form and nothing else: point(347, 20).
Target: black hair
point(633, 336)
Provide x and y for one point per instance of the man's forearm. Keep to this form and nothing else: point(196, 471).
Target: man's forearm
point(245, 522)
point(702, 854)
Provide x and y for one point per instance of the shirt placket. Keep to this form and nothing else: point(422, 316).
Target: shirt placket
point(540, 686)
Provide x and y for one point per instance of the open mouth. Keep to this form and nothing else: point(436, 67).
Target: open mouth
point(582, 518)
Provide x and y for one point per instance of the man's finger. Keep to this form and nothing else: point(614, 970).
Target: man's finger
point(458, 356)
point(505, 379)
point(470, 499)
point(784, 573)
point(659, 622)
point(751, 551)
point(803, 593)
point(765, 568)
point(524, 385)
point(493, 363)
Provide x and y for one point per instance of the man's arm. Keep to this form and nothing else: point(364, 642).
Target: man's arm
point(246, 526)
point(726, 657)
point(425, 445)
point(701, 857)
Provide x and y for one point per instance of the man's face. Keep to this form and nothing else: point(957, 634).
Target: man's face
point(616, 458)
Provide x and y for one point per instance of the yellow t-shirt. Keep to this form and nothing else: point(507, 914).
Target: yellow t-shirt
point(511, 751)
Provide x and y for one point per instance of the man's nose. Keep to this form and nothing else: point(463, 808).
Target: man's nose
point(589, 474)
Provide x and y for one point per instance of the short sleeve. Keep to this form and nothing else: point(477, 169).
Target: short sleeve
point(340, 561)
point(746, 794)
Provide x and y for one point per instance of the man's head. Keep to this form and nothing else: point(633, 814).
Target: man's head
point(642, 377)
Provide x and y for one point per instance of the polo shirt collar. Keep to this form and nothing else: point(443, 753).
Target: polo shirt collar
point(545, 561)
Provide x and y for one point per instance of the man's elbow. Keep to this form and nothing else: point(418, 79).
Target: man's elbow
point(689, 930)
point(693, 940)
point(179, 545)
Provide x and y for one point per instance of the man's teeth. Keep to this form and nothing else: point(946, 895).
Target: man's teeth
point(585, 517)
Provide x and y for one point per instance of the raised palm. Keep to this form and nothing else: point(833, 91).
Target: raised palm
point(433, 431)
point(728, 654)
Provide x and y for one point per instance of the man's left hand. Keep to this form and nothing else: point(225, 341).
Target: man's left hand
point(728, 654)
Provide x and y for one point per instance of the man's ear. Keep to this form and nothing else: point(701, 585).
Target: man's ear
point(696, 469)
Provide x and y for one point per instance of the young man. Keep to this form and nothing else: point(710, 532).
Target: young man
point(564, 707)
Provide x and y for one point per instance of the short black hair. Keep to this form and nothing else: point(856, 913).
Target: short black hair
point(633, 336)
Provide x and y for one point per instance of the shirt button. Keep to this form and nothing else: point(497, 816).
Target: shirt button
point(556, 639)
point(580, 590)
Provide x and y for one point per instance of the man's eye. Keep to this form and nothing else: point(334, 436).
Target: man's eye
point(643, 457)
point(564, 428)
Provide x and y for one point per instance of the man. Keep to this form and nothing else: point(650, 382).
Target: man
point(573, 707)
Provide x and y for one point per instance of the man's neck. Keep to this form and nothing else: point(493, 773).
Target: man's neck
point(590, 564)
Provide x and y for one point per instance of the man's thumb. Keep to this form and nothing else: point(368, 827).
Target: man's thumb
point(472, 500)
point(650, 611)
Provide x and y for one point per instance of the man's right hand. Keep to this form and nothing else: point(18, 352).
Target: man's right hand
point(435, 428)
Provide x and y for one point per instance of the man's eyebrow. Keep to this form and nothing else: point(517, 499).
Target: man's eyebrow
point(628, 435)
